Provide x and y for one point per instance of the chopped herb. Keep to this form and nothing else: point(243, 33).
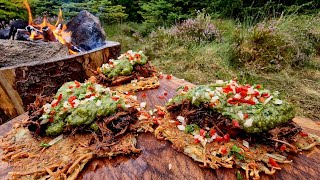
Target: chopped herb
point(236, 151)
point(44, 145)
point(239, 176)
point(181, 87)
point(192, 127)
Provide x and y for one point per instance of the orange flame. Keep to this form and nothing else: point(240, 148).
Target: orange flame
point(60, 33)
point(25, 2)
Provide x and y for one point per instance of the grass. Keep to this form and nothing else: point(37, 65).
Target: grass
point(248, 53)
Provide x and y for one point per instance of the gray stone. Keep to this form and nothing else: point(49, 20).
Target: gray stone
point(87, 32)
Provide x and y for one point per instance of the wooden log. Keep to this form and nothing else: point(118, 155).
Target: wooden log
point(157, 156)
point(20, 84)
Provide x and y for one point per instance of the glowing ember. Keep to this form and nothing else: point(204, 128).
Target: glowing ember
point(49, 32)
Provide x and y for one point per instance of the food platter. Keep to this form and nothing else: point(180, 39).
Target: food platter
point(159, 160)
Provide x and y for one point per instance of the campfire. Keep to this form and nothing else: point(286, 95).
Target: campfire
point(48, 32)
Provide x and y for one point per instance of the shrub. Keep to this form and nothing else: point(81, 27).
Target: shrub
point(269, 47)
point(198, 30)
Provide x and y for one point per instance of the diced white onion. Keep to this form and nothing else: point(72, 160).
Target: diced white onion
point(267, 100)
point(98, 103)
point(170, 166)
point(240, 115)
point(277, 101)
point(245, 143)
point(142, 117)
point(219, 82)
point(134, 97)
point(181, 127)
point(55, 140)
point(143, 105)
point(237, 96)
point(248, 122)
point(250, 90)
point(181, 119)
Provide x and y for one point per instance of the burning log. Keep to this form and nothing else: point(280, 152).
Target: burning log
point(27, 75)
point(48, 34)
point(4, 33)
point(15, 25)
point(22, 35)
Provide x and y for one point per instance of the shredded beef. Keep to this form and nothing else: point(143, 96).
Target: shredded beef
point(204, 117)
point(110, 128)
point(138, 71)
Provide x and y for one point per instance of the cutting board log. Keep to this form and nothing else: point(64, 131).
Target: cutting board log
point(157, 156)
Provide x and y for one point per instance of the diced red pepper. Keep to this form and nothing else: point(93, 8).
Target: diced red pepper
point(165, 93)
point(77, 84)
point(303, 134)
point(58, 100)
point(131, 58)
point(53, 112)
point(212, 132)
point(265, 95)
point(161, 113)
point(226, 137)
point(283, 147)
point(245, 115)
point(161, 76)
point(169, 76)
point(202, 132)
point(137, 55)
point(235, 123)
point(144, 95)
point(70, 100)
point(244, 93)
point(211, 104)
point(70, 87)
point(273, 162)
point(161, 97)
point(186, 88)
point(219, 139)
point(262, 99)
point(227, 89)
point(91, 88)
point(51, 119)
point(258, 86)
point(115, 98)
point(119, 106)
point(256, 93)
point(196, 141)
point(224, 150)
point(251, 102)
point(176, 122)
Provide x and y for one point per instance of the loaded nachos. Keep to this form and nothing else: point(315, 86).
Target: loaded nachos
point(64, 132)
point(231, 125)
point(130, 72)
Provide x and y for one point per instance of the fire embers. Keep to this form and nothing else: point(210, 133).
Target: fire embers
point(48, 32)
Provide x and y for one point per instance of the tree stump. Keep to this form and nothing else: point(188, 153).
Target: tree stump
point(21, 83)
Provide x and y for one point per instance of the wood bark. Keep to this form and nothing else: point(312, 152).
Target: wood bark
point(20, 84)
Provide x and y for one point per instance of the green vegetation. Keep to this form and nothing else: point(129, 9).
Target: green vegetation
point(281, 53)
point(272, 42)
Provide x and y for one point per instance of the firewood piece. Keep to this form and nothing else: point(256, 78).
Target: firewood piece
point(22, 35)
point(4, 33)
point(87, 32)
point(48, 34)
point(15, 25)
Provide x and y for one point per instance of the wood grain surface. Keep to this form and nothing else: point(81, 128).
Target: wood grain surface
point(20, 84)
point(153, 162)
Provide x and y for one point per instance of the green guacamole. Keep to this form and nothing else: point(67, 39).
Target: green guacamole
point(78, 105)
point(123, 66)
point(261, 113)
